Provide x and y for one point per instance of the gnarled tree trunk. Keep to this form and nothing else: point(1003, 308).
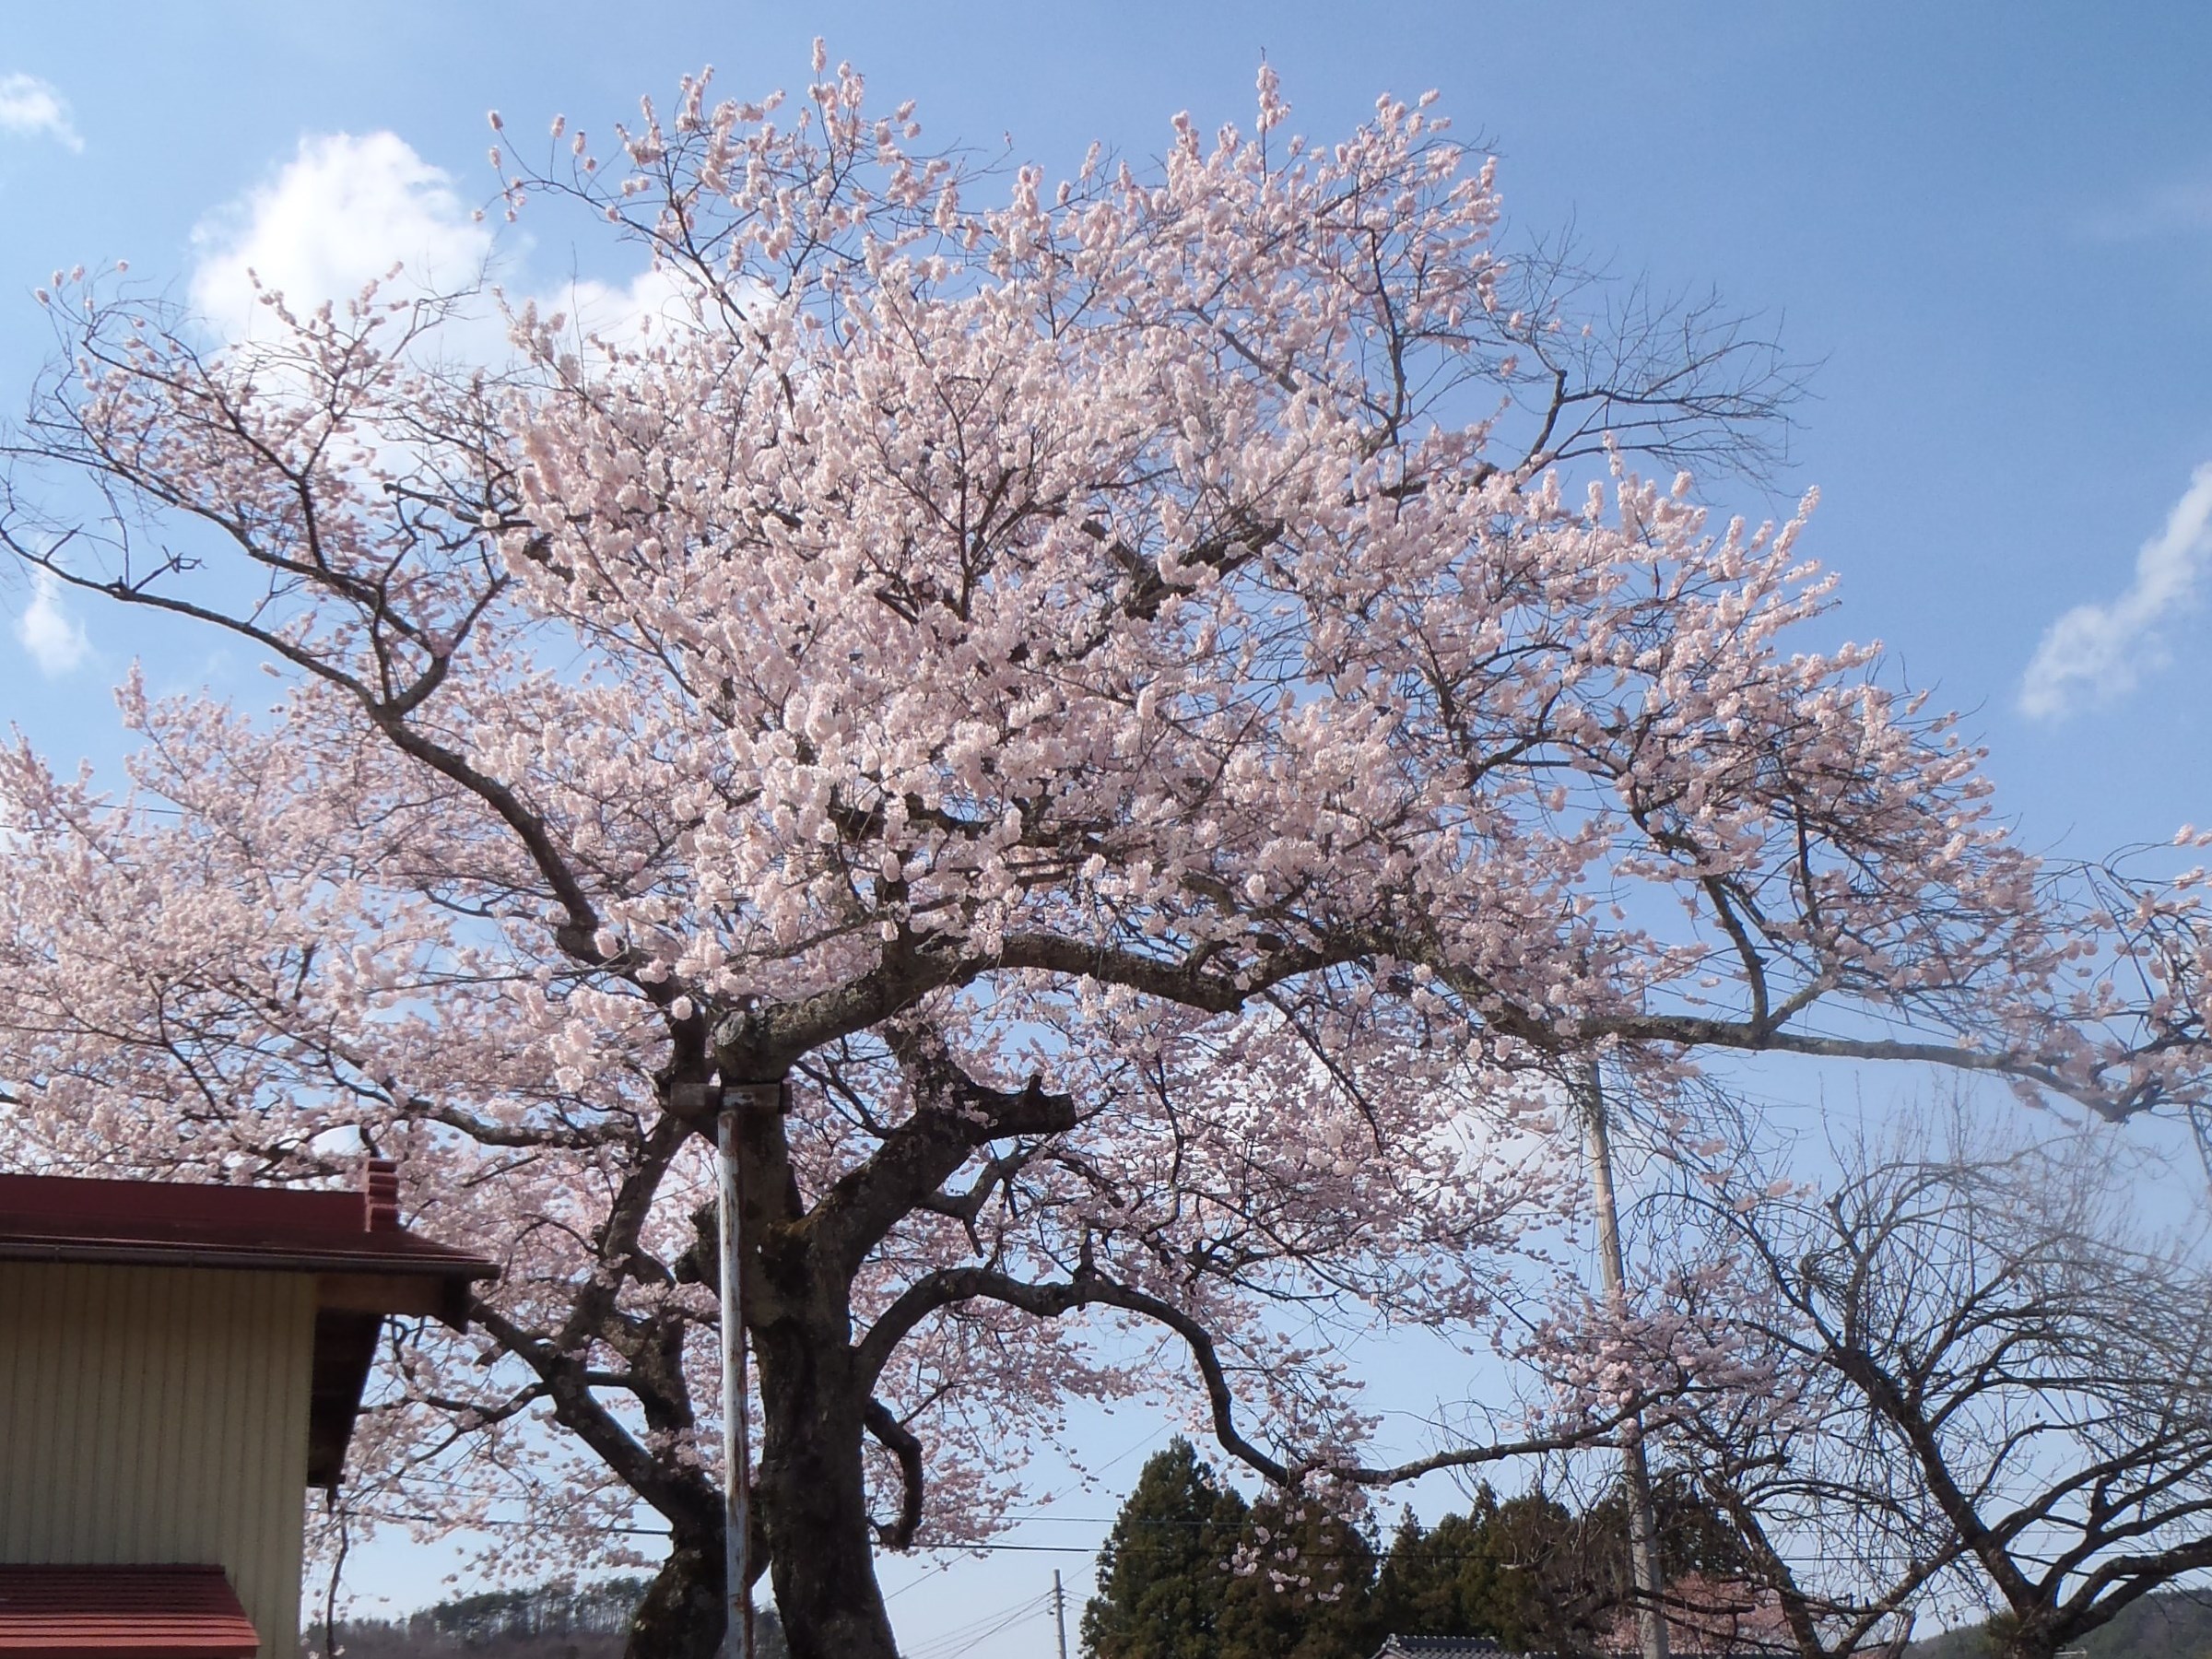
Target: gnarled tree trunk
point(812, 1523)
point(681, 1617)
point(813, 1496)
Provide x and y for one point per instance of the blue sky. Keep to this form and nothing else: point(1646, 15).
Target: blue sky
point(1990, 223)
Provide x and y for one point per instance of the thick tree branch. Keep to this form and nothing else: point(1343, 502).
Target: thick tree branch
point(900, 1442)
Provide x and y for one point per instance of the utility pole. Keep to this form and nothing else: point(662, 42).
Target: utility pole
point(1060, 1612)
point(1643, 1523)
point(737, 1428)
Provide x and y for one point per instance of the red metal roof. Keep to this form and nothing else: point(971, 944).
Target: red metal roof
point(147, 1612)
point(62, 1218)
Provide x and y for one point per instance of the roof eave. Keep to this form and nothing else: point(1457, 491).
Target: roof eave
point(408, 1263)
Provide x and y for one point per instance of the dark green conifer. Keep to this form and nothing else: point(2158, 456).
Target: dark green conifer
point(1164, 1567)
point(1304, 1588)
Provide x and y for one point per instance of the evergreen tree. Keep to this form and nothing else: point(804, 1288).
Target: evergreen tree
point(1515, 1570)
point(1303, 1589)
point(1190, 1571)
point(1694, 1538)
point(1164, 1567)
point(1533, 1575)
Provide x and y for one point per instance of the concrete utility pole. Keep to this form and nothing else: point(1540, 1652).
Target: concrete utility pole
point(1060, 1612)
point(1643, 1523)
point(737, 1428)
point(736, 1439)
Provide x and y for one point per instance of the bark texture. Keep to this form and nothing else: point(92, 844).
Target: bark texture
point(681, 1615)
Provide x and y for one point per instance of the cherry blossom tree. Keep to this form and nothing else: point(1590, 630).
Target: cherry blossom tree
point(1104, 720)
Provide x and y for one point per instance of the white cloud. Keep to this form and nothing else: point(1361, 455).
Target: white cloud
point(30, 108)
point(346, 209)
point(617, 315)
point(2097, 652)
point(55, 640)
point(2179, 208)
point(336, 216)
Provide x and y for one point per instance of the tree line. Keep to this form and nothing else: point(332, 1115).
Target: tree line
point(559, 1619)
point(1193, 1570)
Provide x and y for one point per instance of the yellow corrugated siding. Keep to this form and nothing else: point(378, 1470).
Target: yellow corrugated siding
point(151, 1414)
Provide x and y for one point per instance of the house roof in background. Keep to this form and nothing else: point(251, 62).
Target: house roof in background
point(183, 1224)
point(166, 1612)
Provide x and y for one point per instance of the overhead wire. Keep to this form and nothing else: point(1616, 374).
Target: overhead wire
point(965, 1638)
point(995, 1547)
point(959, 1633)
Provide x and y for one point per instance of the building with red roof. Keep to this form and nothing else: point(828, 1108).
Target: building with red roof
point(178, 1364)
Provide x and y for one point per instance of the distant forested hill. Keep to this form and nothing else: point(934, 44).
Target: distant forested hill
point(561, 1620)
point(2177, 1625)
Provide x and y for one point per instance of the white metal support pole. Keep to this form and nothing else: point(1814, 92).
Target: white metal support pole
point(737, 1439)
point(1643, 1523)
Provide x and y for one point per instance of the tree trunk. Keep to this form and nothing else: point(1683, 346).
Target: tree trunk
point(681, 1615)
point(811, 1487)
point(2028, 1636)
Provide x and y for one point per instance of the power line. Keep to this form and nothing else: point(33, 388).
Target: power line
point(995, 1547)
point(959, 1633)
point(968, 1637)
